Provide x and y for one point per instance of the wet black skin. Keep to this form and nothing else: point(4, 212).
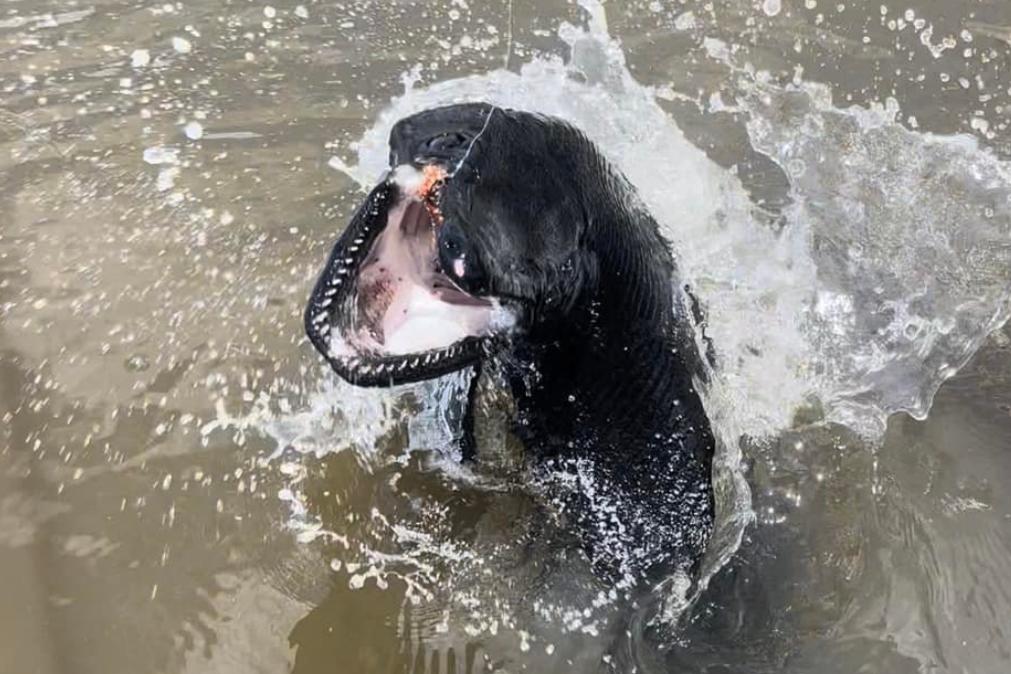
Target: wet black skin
point(602, 363)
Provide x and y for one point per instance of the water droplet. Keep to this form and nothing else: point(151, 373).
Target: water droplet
point(140, 58)
point(194, 130)
point(137, 363)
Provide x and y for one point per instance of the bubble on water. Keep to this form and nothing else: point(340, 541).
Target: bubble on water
point(167, 178)
point(140, 58)
point(161, 155)
point(137, 363)
point(685, 21)
point(194, 130)
point(772, 7)
point(181, 45)
point(980, 124)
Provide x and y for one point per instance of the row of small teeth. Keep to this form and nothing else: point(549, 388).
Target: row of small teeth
point(355, 365)
point(344, 270)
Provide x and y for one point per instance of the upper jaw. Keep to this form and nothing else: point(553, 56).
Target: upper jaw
point(332, 317)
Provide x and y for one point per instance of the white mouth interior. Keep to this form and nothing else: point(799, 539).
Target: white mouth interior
point(419, 321)
point(404, 304)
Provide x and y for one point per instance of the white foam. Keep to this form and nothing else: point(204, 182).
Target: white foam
point(408, 178)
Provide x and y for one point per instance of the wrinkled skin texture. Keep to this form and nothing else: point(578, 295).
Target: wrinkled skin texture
point(602, 360)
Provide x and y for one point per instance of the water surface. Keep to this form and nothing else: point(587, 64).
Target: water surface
point(184, 487)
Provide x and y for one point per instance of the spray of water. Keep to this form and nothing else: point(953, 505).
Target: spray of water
point(890, 267)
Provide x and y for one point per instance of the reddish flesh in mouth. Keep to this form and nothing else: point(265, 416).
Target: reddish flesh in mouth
point(432, 180)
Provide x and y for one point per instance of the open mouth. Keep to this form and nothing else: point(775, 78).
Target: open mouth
point(384, 311)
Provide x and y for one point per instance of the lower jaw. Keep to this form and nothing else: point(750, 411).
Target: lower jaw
point(381, 371)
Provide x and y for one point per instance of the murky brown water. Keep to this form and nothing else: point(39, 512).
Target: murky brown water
point(165, 202)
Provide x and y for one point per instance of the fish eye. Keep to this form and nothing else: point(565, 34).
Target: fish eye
point(458, 259)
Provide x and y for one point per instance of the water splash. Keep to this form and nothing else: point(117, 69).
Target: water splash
point(910, 237)
point(595, 91)
point(885, 274)
point(892, 265)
